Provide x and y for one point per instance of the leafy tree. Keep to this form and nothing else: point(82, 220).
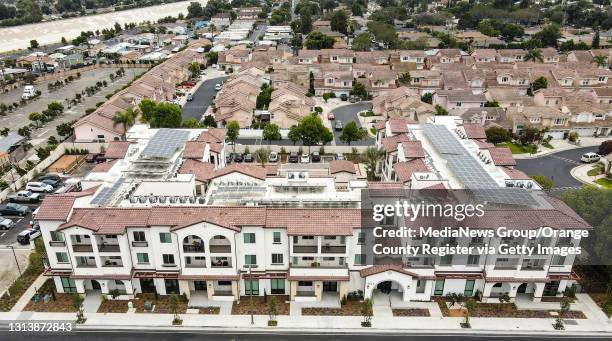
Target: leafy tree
point(29, 10)
point(280, 16)
point(4, 131)
point(25, 131)
point(194, 68)
point(404, 78)
point(351, 132)
point(539, 83)
point(191, 123)
point(339, 22)
point(34, 44)
point(317, 41)
point(166, 115)
point(595, 41)
point(233, 130)
point(605, 148)
point(372, 157)
point(212, 58)
point(65, 129)
point(7, 12)
point(491, 104)
point(55, 107)
point(52, 140)
point(312, 131)
point(362, 42)
point(367, 312)
point(427, 98)
point(294, 134)
point(271, 132)
point(36, 118)
point(549, 35)
point(511, 31)
point(530, 135)
point(488, 28)
point(544, 181)
point(146, 108)
point(384, 33)
point(497, 135)
point(195, 10)
point(440, 110)
point(601, 60)
point(327, 95)
point(264, 97)
point(209, 121)
point(305, 23)
point(359, 90)
point(534, 55)
point(262, 155)
point(356, 9)
point(125, 119)
point(311, 89)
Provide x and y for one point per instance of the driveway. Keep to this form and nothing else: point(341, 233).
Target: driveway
point(347, 114)
point(202, 98)
point(556, 166)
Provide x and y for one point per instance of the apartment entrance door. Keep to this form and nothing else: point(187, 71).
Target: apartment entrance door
point(330, 286)
point(147, 286)
point(199, 285)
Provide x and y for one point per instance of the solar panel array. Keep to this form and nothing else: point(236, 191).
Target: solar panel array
point(470, 172)
point(165, 143)
point(106, 193)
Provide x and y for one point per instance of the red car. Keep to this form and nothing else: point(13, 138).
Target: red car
point(331, 117)
point(188, 84)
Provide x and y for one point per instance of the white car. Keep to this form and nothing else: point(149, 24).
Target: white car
point(39, 187)
point(217, 86)
point(305, 158)
point(273, 157)
point(6, 224)
point(589, 157)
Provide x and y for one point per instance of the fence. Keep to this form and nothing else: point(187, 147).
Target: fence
point(44, 164)
point(66, 73)
point(240, 148)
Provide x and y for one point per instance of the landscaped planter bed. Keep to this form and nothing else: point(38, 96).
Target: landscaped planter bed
point(411, 312)
point(210, 310)
point(162, 303)
point(259, 305)
point(350, 308)
point(114, 306)
point(507, 310)
point(61, 304)
point(19, 286)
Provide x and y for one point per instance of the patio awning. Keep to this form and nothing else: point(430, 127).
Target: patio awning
point(210, 277)
point(152, 274)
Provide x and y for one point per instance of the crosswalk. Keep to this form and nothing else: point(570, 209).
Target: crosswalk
point(574, 162)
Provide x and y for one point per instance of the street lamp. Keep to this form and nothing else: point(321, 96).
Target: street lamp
point(16, 261)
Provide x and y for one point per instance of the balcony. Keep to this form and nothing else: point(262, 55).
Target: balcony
point(304, 249)
point(57, 243)
point(140, 244)
point(82, 248)
point(305, 293)
point(87, 265)
point(220, 249)
point(112, 264)
point(109, 248)
point(332, 249)
point(221, 262)
point(193, 248)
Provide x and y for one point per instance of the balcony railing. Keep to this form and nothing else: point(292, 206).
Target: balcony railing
point(220, 249)
point(86, 265)
point(82, 248)
point(193, 248)
point(57, 243)
point(140, 244)
point(305, 293)
point(109, 248)
point(112, 265)
point(304, 249)
point(333, 249)
point(195, 265)
point(223, 293)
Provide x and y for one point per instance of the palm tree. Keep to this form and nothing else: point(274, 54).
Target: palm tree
point(372, 156)
point(262, 155)
point(212, 28)
point(124, 118)
point(534, 55)
point(601, 60)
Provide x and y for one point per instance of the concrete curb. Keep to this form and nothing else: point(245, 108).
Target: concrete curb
point(574, 170)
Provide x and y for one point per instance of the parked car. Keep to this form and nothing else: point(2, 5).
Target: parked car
point(51, 176)
point(217, 86)
point(238, 158)
point(339, 156)
point(228, 159)
point(316, 157)
point(28, 92)
point(273, 157)
point(39, 187)
point(305, 158)
point(338, 125)
point(51, 182)
point(13, 209)
point(249, 158)
point(590, 157)
point(331, 116)
point(343, 97)
point(189, 97)
point(95, 157)
point(6, 224)
point(293, 157)
point(25, 197)
point(352, 99)
point(25, 236)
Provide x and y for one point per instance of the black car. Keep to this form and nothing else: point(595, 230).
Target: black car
point(293, 158)
point(49, 176)
point(343, 97)
point(228, 159)
point(249, 158)
point(51, 182)
point(238, 158)
point(12, 209)
point(316, 157)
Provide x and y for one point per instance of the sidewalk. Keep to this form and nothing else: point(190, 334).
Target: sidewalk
point(580, 173)
point(561, 145)
point(25, 298)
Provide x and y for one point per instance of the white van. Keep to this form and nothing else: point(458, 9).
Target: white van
point(28, 92)
point(589, 157)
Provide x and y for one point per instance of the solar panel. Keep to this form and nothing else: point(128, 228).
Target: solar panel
point(106, 193)
point(165, 143)
point(470, 172)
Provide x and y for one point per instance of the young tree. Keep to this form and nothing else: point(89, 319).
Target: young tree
point(33, 44)
point(595, 41)
point(65, 129)
point(271, 132)
point(272, 310)
point(233, 130)
point(440, 110)
point(351, 132)
point(174, 302)
point(371, 157)
point(77, 303)
point(125, 119)
point(191, 123)
point(194, 68)
point(36, 118)
point(367, 312)
point(470, 306)
point(359, 90)
point(262, 155)
point(328, 95)
point(4, 131)
point(601, 61)
point(294, 134)
point(264, 97)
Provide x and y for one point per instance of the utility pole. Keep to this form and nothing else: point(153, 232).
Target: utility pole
point(16, 261)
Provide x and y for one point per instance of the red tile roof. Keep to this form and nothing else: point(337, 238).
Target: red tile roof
point(55, 207)
point(390, 142)
point(502, 156)
point(405, 169)
point(474, 131)
point(254, 171)
point(104, 166)
point(375, 269)
point(203, 171)
point(194, 150)
point(117, 149)
point(336, 166)
point(399, 125)
point(483, 144)
point(516, 174)
point(413, 149)
point(213, 135)
point(315, 222)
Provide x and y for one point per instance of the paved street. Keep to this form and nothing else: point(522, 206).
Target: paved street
point(120, 335)
point(258, 31)
point(349, 113)
point(556, 166)
point(202, 98)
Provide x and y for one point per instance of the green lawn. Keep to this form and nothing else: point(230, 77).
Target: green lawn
point(595, 170)
point(515, 148)
point(605, 182)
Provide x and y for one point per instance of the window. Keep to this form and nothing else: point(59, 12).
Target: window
point(168, 259)
point(601, 79)
point(504, 79)
point(277, 258)
point(249, 238)
point(490, 118)
point(559, 121)
point(250, 260)
point(251, 287)
point(307, 237)
point(534, 119)
point(439, 287)
point(334, 57)
point(473, 259)
point(69, 285)
point(446, 260)
point(276, 237)
point(458, 104)
point(477, 240)
point(307, 258)
point(62, 257)
point(277, 286)
point(304, 283)
point(329, 259)
point(139, 236)
point(361, 238)
point(469, 288)
point(224, 283)
point(56, 236)
point(558, 260)
point(360, 259)
point(404, 58)
point(329, 238)
point(165, 237)
point(142, 258)
point(585, 82)
point(522, 81)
